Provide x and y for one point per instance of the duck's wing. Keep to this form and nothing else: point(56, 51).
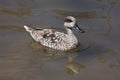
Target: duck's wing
point(48, 37)
point(53, 39)
point(54, 36)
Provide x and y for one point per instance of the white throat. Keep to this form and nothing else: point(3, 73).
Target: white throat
point(69, 31)
point(71, 36)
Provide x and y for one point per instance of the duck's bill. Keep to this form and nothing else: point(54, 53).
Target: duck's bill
point(78, 28)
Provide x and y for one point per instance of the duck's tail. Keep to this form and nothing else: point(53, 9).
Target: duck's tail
point(28, 29)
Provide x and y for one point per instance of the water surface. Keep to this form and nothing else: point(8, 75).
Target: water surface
point(97, 58)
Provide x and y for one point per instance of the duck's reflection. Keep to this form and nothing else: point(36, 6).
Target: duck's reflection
point(73, 67)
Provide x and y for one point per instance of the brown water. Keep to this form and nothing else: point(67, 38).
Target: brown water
point(98, 58)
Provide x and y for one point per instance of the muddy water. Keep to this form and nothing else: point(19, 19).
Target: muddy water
point(98, 58)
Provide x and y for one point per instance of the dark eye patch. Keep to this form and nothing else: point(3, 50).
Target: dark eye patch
point(68, 20)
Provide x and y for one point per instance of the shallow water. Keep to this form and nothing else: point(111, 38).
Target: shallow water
point(96, 59)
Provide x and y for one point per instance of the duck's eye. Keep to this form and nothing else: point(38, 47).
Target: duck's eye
point(68, 20)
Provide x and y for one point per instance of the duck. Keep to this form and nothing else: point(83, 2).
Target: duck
point(57, 40)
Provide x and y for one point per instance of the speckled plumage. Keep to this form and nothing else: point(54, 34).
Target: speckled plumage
point(55, 39)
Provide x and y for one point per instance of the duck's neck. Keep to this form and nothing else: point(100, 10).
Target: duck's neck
point(69, 31)
point(72, 37)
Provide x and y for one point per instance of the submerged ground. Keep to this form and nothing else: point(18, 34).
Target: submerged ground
point(98, 57)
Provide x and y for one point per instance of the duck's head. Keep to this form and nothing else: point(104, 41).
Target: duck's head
point(70, 22)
